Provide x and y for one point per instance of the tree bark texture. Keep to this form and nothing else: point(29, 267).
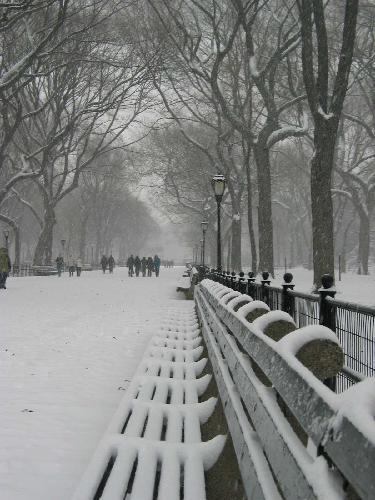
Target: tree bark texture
point(43, 250)
point(321, 201)
point(236, 244)
point(265, 226)
point(363, 245)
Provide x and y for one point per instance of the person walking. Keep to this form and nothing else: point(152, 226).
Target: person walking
point(59, 264)
point(78, 267)
point(130, 264)
point(71, 265)
point(104, 263)
point(5, 267)
point(144, 266)
point(150, 266)
point(111, 263)
point(137, 265)
point(156, 265)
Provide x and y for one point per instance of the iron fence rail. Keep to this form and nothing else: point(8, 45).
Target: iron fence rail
point(354, 324)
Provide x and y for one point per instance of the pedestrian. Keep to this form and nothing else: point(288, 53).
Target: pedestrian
point(144, 266)
point(111, 263)
point(104, 263)
point(156, 265)
point(78, 266)
point(130, 264)
point(59, 264)
point(137, 265)
point(5, 267)
point(71, 265)
point(150, 266)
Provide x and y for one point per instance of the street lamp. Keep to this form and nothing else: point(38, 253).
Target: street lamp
point(218, 185)
point(204, 225)
point(6, 236)
point(201, 255)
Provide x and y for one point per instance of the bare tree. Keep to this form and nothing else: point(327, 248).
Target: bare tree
point(326, 100)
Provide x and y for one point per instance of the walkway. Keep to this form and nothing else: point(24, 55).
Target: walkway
point(68, 348)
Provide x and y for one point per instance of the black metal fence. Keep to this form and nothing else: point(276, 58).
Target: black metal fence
point(354, 324)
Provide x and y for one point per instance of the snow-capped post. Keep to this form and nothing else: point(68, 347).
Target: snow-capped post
point(287, 300)
point(242, 283)
point(265, 284)
point(250, 284)
point(327, 313)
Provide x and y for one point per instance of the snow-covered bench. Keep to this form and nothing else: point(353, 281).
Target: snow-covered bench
point(294, 437)
point(44, 270)
point(153, 448)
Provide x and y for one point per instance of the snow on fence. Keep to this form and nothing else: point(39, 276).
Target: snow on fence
point(294, 437)
point(152, 449)
point(354, 324)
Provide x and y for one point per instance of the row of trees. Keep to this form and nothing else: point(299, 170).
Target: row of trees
point(276, 95)
point(249, 86)
point(73, 85)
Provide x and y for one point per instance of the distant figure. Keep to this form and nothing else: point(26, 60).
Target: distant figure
point(71, 265)
point(156, 265)
point(150, 266)
point(60, 264)
point(144, 266)
point(111, 263)
point(130, 264)
point(5, 266)
point(78, 266)
point(137, 265)
point(103, 263)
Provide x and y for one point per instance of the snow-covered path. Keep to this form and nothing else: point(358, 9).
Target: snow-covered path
point(68, 348)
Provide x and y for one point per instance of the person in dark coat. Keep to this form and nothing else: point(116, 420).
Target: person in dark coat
point(156, 265)
point(144, 266)
point(60, 264)
point(111, 263)
point(130, 264)
point(104, 263)
point(5, 266)
point(150, 266)
point(137, 265)
point(71, 265)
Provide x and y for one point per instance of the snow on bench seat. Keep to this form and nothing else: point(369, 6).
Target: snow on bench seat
point(152, 448)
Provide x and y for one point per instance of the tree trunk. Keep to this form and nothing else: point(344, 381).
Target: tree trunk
point(43, 250)
point(364, 245)
point(321, 201)
point(17, 240)
point(265, 226)
point(236, 243)
point(250, 221)
point(82, 238)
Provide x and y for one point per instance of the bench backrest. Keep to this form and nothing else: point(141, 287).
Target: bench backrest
point(294, 437)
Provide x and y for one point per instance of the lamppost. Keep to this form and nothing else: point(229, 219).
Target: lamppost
point(6, 236)
point(204, 225)
point(201, 255)
point(218, 185)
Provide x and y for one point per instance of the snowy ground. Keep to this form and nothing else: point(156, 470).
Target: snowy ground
point(68, 348)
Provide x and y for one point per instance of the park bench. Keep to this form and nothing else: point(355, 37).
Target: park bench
point(43, 270)
point(153, 449)
point(294, 437)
